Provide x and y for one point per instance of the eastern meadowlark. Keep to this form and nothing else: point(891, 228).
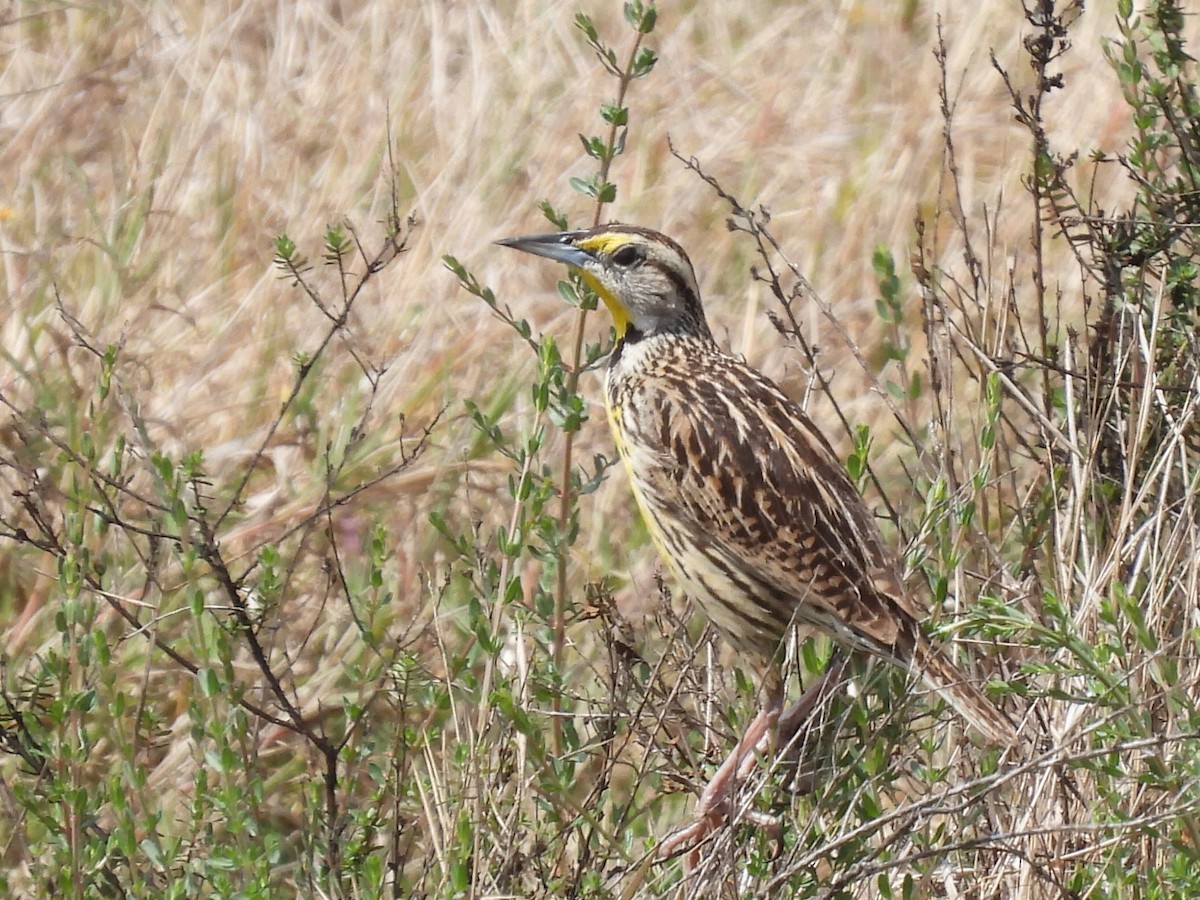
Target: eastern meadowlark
point(745, 498)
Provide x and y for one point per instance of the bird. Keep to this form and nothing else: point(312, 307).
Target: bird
point(748, 503)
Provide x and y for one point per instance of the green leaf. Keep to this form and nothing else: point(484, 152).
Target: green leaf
point(100, 647)
point(457, 268)
point(210, 684)
point(584, 24)
point(643, 63)
point(594, 147)
point(285, 247)
point(153, 852)
point(614, 115)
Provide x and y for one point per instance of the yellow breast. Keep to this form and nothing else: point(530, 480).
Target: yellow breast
point(649, 515)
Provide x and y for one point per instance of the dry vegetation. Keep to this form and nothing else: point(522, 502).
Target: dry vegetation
point(291, 602)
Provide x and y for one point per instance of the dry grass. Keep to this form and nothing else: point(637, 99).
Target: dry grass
point(150, 153)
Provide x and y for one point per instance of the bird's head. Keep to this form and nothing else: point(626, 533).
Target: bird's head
point(644, 278)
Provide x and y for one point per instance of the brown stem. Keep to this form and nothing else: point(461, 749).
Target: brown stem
point(567, 498)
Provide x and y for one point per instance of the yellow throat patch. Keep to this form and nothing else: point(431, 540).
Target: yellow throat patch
point(606, 245)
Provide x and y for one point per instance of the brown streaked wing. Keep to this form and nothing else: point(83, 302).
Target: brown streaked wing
point(759, 484)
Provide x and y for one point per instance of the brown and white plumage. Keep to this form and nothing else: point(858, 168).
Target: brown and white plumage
point(776, 535)
point(746, 499)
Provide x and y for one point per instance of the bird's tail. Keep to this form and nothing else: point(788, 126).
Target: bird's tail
point(951, 684)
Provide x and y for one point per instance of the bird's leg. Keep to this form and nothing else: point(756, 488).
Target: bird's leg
point(796, 716)
point(800, 711)
point(713, 808)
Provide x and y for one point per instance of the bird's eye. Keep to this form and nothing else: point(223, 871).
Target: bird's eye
point(628, 256)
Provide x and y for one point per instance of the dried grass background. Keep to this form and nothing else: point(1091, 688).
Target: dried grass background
point(150, 152)
point(231, 126)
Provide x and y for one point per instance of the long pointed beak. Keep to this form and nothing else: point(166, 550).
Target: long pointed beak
point(557, 246)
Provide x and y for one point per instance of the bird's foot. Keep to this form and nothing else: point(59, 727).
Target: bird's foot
point(714, 807)
point(708, 821)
